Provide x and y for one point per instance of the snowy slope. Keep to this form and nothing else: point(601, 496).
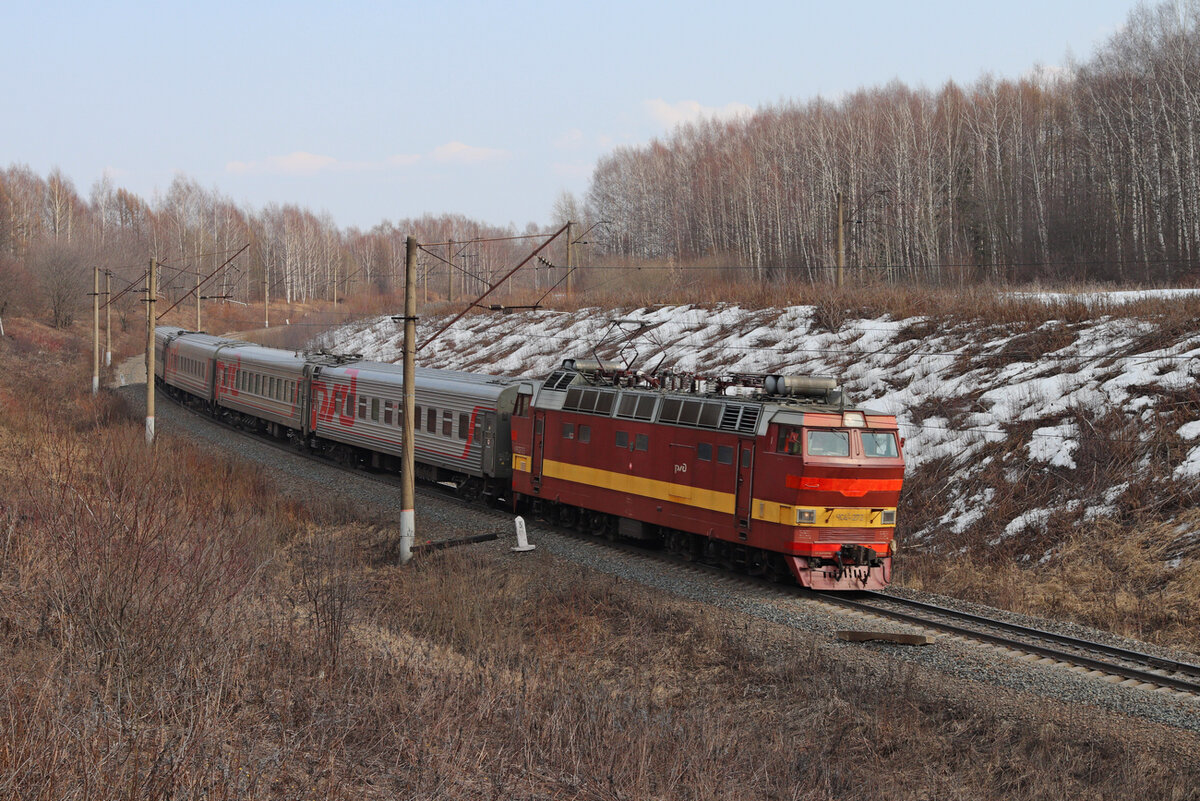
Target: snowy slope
point(963, 392)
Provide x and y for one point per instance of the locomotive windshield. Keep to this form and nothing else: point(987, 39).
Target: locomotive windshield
point(828, 443)
point(880, 445)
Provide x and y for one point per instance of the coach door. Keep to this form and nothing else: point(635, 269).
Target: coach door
point(539, 425)
point(745, 485)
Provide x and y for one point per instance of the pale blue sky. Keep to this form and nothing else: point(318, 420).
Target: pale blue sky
point(378, 110)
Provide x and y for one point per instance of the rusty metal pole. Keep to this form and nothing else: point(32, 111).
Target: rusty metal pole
point(570, 274)
point(151, 294)
point(408, 451)
point(108, 318)
point(95, 330)
point(841, 241)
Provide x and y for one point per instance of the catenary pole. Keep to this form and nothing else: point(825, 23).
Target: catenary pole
point(151, 294)
point(570, 275)
point(408, 450)
point(107, 318)
point(841, 241)
point(197, 298)
point(95, 330)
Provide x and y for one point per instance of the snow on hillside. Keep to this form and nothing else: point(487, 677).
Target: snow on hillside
point(958, 390)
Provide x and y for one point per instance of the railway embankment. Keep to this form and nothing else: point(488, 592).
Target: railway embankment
point(1053, 441)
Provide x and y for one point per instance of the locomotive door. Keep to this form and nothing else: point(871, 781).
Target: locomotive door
point(539, 424)
point(745, 486)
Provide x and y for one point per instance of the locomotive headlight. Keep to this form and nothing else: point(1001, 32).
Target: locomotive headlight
point(888, 518)
point(806, 517)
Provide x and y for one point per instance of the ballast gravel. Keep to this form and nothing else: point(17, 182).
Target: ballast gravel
point(981, 665)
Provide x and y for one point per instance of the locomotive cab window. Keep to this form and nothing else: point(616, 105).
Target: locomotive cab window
point(828, 443)
point(789, 440)
point(879, 445)
point(521, 408)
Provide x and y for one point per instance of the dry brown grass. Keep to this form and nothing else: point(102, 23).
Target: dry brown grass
point(201, 636)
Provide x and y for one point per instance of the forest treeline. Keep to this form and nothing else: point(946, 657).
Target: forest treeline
point(1090, 172)
point(51, 237)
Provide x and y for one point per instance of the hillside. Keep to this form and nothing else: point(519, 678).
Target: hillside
point(1043, 434)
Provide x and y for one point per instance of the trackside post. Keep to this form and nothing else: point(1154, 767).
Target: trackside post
point(408, 525)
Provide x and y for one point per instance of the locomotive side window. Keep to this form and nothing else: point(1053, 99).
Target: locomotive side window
point(828, 443)
point(879, 445)
point(464, 426)
point(622, 439)
point(704, 451)
point(789, 440)
point(642, 443)
point(745, 457)
point(568, 430)
point(585, 433)
point(724, 454)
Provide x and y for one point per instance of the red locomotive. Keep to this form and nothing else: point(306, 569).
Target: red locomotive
point(780, 479)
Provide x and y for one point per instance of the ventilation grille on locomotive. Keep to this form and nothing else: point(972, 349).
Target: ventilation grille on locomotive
point(743, 419)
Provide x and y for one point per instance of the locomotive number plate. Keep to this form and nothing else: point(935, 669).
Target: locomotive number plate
point(846, 517)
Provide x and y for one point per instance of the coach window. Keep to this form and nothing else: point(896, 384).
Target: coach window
point(585, 433)
point(257, 384)
point(362, 407)
point(704, 451)
point(622, 439)
point(387, 413)
point(828, 443)
point(447, 423)
point(431, 421)
point(568, 430)
point(375, 409)
point(724, 454)
point(642, 443)
point(464, 426)
point(416, 418)
point(348, 406)
point(789, 440)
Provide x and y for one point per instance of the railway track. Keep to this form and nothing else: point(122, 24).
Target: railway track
point(1088, 657)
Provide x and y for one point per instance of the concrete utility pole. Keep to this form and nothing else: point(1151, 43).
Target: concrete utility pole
point(108, 318)
point(197, 299)
point(570, 274)
point(95, 330)
point(151, 294)
point(408, 516)
point(449, 270)
point(266, 297)
point(841, 241)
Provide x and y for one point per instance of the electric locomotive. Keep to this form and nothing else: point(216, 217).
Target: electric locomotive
point(771, 474)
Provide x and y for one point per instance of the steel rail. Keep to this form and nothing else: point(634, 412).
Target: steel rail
point(1092, 663)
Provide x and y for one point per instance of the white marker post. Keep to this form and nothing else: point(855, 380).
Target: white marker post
point(522, 541)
